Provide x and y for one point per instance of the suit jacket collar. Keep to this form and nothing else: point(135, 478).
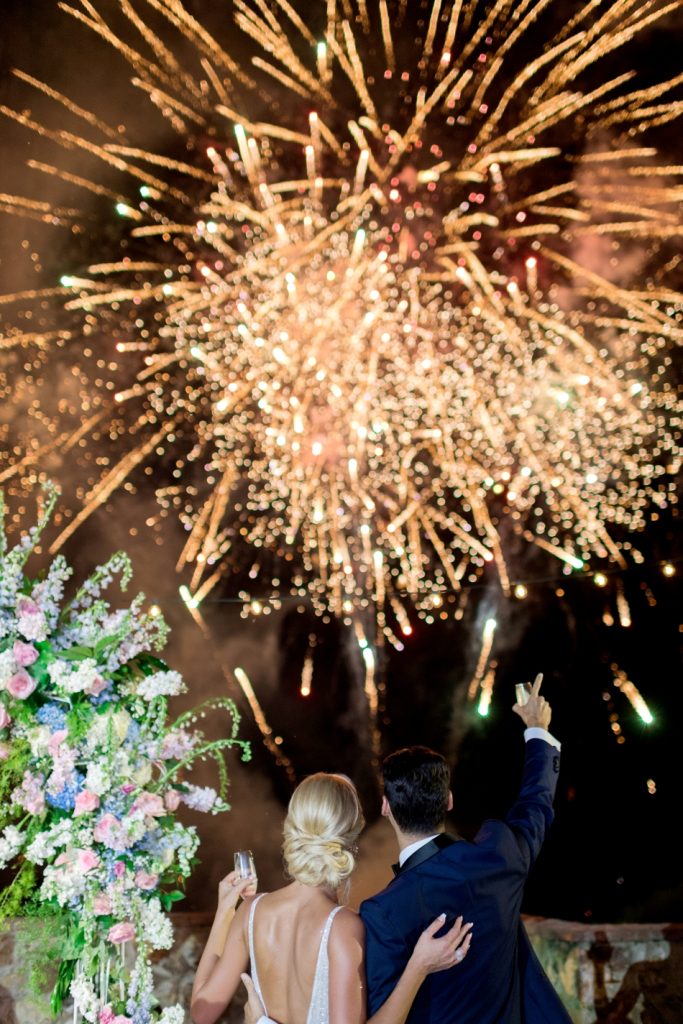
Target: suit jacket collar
point(439, 842)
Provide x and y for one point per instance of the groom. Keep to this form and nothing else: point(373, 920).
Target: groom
point(501, 981)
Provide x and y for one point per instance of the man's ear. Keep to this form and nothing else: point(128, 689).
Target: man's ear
point(386, 809)
point(449, 806)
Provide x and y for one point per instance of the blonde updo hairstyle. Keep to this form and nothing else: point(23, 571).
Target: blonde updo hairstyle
point(323, 823)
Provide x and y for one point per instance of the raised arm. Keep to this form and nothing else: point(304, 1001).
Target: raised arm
point(225, 955)
point(532, 812)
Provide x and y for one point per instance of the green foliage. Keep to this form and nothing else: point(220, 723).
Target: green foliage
point(19, 891)
point(40, 947)
point(11, 773)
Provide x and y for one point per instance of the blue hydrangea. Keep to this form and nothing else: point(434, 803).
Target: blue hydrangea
point(116, 803)
point(65, 800)
point(53, 716)
point(133, 734)
point(154, 842)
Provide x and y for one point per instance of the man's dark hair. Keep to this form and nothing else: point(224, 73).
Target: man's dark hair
point(416, 785)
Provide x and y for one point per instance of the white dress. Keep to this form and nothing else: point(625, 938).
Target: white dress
point(319, 1007)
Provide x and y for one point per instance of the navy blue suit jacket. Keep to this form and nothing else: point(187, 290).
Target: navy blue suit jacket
point(501, 980)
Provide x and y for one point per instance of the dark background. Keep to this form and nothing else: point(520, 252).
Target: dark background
point(611, 855)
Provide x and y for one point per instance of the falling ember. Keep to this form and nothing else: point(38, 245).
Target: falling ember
point(369, 685)
point(486, 646)
point(623, 609)
point(486, 692)
point(260, 719)
point(187, 597)
point(357, 345)
point(633, 695)
point(306, 676)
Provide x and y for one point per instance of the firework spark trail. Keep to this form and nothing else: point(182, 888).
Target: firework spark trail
point(348, 323)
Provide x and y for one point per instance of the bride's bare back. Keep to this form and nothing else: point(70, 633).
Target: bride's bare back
point(288, 926)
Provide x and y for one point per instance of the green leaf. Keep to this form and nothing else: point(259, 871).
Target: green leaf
point(65, 976)
point(77, 653)
point(176, 895)
point(105, 643)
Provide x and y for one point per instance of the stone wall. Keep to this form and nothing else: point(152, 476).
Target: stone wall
point(605, 974)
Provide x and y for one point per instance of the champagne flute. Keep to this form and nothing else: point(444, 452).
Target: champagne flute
point(244, 864)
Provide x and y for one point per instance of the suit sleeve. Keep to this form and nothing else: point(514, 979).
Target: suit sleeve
point(386, 954)
point(532, 813)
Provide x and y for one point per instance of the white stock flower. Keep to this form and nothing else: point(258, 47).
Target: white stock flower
point(200, 798)
point(155, 924)
point(74, 677)
point(84, 996)
point(39, 739)
point(173, 1015)
point(97, 778)
point(8, 667)
point(11, 840)
point(46, 844)
point(161, 684)
point(110, 725)
point(62, 885)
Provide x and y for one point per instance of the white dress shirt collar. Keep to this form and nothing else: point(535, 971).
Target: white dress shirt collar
point(408, 851)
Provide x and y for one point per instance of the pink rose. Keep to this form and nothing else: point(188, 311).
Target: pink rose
point(106, 1016)
point(119, 869)
point(128, 788)
point(4, 751)
point(172, 799)
point(56, 741)
point(143, 880)
point(95, 689)
point(4, 717)
point(122, 932)
point(21, 685)
point(86, 860)
point(30, 619)
point(101, 905)
point(24, 654)
point(26, 606)
point(150, 804)
point(86, 801)
point(104, 828)
point(62, 859)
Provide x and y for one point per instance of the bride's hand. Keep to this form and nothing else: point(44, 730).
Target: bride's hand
point(431, 954)
point(231, 888)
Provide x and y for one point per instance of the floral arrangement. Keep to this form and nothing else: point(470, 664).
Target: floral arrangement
point(91, 776)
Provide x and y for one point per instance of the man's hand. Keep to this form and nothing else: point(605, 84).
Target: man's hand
point(536, 712)
point(254, 1011)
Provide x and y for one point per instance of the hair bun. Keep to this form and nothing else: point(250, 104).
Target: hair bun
point(323, 823)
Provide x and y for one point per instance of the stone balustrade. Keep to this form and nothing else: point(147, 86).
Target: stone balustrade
point(605, 974)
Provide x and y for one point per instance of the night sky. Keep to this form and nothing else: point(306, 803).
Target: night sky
point(611, 855)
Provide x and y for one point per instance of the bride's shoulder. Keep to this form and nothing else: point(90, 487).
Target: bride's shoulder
point(347, 925)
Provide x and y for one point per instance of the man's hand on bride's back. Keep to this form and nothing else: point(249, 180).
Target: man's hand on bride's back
point(437, 954)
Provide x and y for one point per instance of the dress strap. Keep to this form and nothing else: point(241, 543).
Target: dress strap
point(328, 925)
point(319, 1006)
point(252, 956)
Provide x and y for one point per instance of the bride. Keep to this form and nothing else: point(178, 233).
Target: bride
point(305, 949)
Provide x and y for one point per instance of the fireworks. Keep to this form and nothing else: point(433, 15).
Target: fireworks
point(400, 307)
